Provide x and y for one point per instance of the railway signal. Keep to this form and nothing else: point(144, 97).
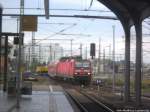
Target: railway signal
point(92, 50)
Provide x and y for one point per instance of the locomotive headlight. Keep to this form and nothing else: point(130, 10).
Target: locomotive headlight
point(89, 73)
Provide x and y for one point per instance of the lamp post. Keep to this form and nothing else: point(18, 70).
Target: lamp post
point(99, 57)
point(86, 52)
point(71, 46)
point(80, 49)
point(104, 61)
point(113, 58)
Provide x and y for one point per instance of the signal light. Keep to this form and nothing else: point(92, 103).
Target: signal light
point(92, 50)
point(16, 40)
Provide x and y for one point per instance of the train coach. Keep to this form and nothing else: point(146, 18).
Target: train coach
point(75, 69)
point(52, 67)
point(42, 69)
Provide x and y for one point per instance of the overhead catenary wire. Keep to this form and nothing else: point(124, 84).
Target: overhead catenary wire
point(58, 32)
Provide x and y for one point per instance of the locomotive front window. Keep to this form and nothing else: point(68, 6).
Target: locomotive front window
point(78, 64)
point(86, 64)
point(82, 64)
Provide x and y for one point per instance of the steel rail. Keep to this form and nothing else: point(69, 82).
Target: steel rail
point(98, 102)
point(82, 107)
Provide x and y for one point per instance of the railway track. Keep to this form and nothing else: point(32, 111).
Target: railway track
point(86, 98)
point(119, 90)
point(87, 103)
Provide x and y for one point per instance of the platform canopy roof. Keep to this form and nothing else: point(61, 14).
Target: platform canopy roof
point(129, 10)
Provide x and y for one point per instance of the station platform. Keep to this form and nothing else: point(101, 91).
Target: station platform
point(53, 100)
point(6, 102)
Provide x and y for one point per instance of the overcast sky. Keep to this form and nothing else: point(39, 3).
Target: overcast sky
point(95, 28)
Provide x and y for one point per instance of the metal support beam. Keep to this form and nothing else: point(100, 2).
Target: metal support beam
point(5, 64)
point(127, 65)
point(11, 34)
point(80, 50)
point(62, 52)
point(114, 76)
point(39, 53)
point(46, 7)
point(104, 70)
point(138, 28)
point(68, 16)
point(99, 57)
point(0, 37)
point(33, 50)
point(71, 47)
point(29, 59)
point(0, 60)
point(18, 76)
point(50, 51)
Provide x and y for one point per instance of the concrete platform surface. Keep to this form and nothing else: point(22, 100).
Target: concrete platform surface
point(6, 102)
point(37, 102)
point(53, 100)
point(59, 103)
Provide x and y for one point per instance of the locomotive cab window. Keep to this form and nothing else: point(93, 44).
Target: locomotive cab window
point(86, 64)
point(82, 64)
point(78, 64)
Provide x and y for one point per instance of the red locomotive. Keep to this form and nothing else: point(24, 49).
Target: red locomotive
point(73, 68)
point(52, 69)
